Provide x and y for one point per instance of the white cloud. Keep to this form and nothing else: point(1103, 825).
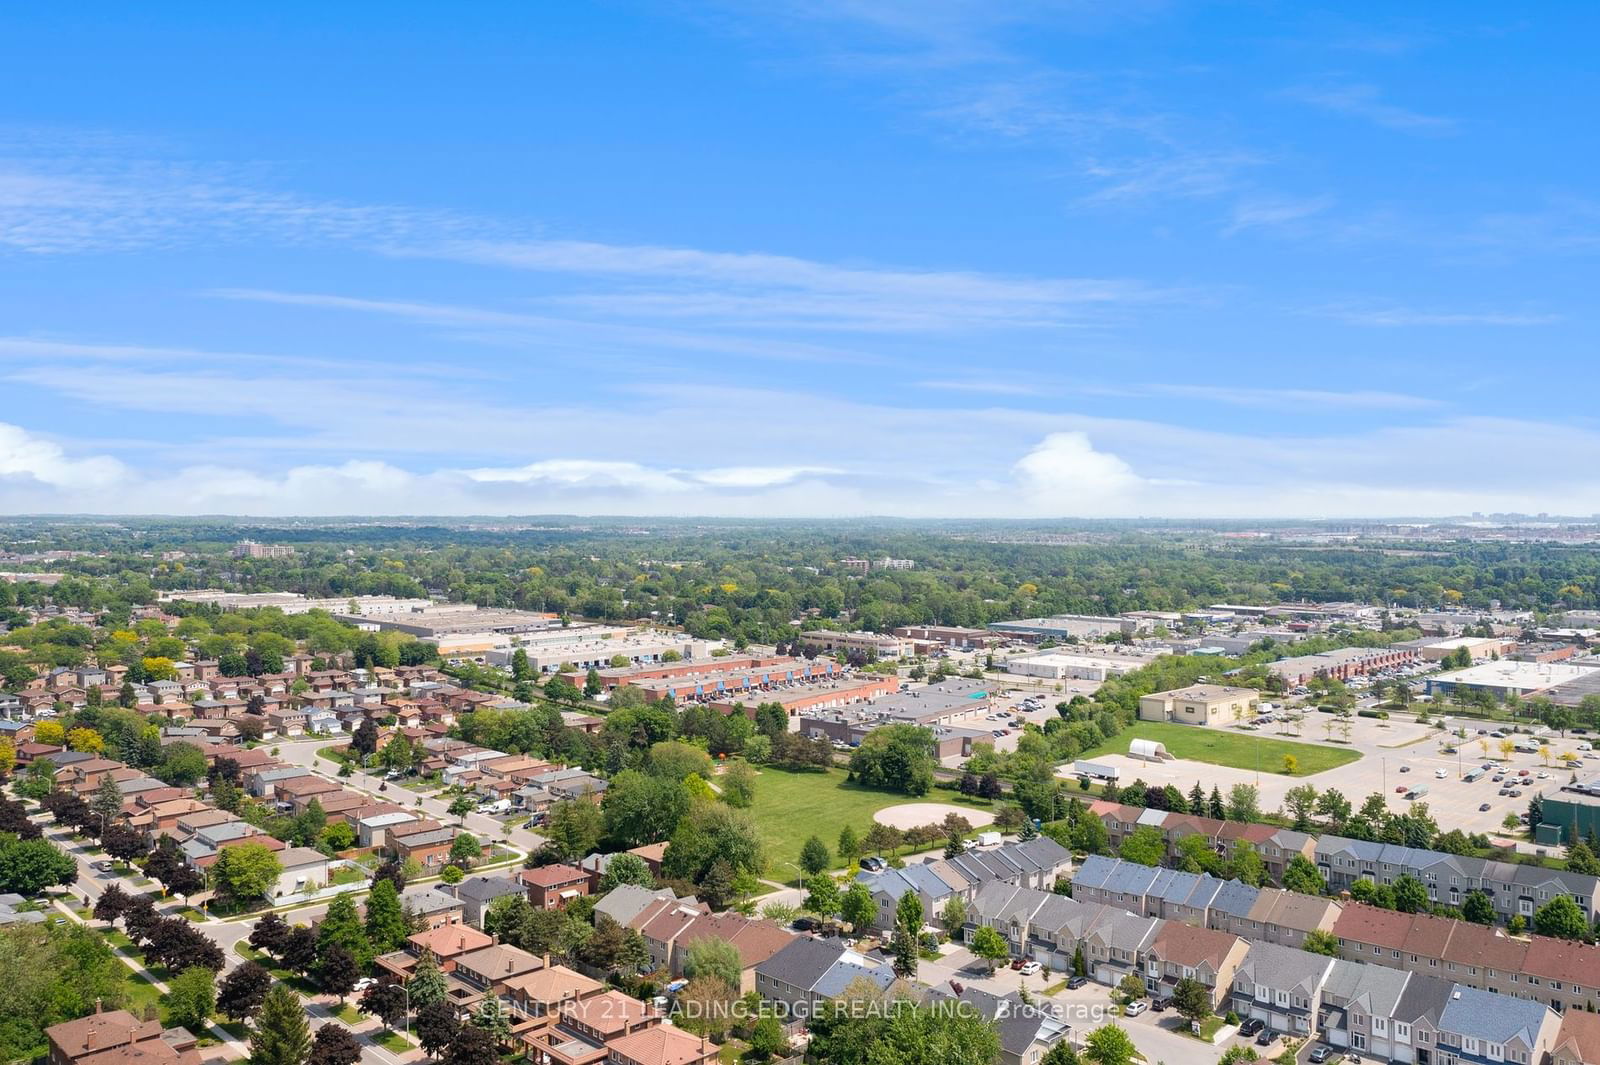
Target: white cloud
point(1065, 472)
point(1366, 102)
point(26, 457)
point(1408, 316)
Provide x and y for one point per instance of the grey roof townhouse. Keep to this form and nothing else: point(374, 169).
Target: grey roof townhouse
point(1281, 986)
point(1514, 889)
point(477, 892)
point(890, 885)
point(1359, 1003)
point(809, 971)
point(1278, 916)
point(1414, 1028)
point(1144, 889)
point(1481, 1027)
point(1114, 944)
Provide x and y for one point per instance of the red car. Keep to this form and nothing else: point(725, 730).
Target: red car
point(1401, 790)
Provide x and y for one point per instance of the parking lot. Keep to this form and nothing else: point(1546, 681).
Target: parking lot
point(1398, 756)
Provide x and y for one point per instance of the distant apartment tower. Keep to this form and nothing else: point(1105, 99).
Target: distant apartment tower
point(251, 549)
point(894, 563)
point(855, 565)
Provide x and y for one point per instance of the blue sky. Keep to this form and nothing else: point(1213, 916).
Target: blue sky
point(827, 257)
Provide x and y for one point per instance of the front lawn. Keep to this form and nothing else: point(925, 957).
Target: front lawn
point(1218, 746)
point(791, 806)
point(393, 1042)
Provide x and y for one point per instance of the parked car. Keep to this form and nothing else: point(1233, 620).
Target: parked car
point(1017, 963)
point(1133, 1009)
point(1441, 773)
point(1483, 808)
point(1160, 1005)
point(1251, 1026)
point(1320, 1053)
point(363, 983)
point(1075, 982)
point(1031, 969)
point(1405, 769)
point(874, 865)
point(1401, 790)
point(1266, 1038)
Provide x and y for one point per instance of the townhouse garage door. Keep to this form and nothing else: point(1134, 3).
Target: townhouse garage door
point(1055, 961)
point(1106, 974)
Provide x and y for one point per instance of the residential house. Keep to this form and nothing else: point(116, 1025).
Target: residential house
point(116, 1037)
point(806, 974)
point(303, 870)
point(446, 943)
point(1027, 1032)
point(1185, 952)
point(584, 1028)
point(1480, 1027)
point(1282, 917)
point(1359, 1004)
point(1577, 1040)
point(540, 994)
point(432, 904)
point(550, 887)
point(661, 1044)
point(1281, 986)
point(430, 847)
point(477, 892)
point(756, 941)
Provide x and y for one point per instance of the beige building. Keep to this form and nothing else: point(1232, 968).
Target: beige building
point(1200, 704)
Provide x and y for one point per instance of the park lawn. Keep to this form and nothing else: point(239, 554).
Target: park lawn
point(1219, 747)
point(791, 806)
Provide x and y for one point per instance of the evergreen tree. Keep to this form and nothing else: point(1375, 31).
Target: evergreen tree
point(427, 984)
point(281, 1035)
point(386, 925)
point(1197, 799)
point(1215, 808)
point(849, 844)
point(907, 935)
point(491, 1018)
point(107, 801)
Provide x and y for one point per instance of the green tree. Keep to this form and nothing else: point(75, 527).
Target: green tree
point(190, 998)
point(814, 856)
point(1478, 908)
point(857, 908)
point(907, 935)
point(384, 921)
point(245, 871)
point(427, 984)
point(625, 868)
point(1409, 894)
point(714, 958)
point(1301, 875)
point(767, 1039)
point(465, 850)
point(490, 1017)
point(28, 866)
point(849, 844)
point(1192, 1000)
point(895, 758)
point(954, 914)
point(281, 1035)
point(341, 927)
point(1560, 918)
point(573, 828)
point(1109, 1045)
point(822, 895)
point(1318, 941)
point(107, 801)
point(989, 945)
point(1145, 845)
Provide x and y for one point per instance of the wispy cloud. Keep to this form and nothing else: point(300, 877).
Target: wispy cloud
point(1275, 213)
point(1291, 398)
point(1366, 102)
point(1391, 316)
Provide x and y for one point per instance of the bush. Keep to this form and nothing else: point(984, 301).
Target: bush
point(1372, 713)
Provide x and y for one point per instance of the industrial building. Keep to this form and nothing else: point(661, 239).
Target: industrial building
point(1199, 704)
point(1505, 678)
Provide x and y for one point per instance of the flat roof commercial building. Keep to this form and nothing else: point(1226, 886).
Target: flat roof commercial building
point(1199, 704)
point(1063, 665)
point(1505, 677)
point(1073, 626)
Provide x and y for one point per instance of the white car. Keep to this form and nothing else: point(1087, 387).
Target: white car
point(363, 983)
point(1441, 773)
point(1133, 1009)
point(1031, 969)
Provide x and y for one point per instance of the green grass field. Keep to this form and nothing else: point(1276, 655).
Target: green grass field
point(1221, 747)
point(791, 806)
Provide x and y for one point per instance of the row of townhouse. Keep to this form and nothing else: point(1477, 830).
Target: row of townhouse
point(1035, 863)
point(1382, 1011)
point(1562, 974)
point(1515, 890)
point(1276, 846)
point(1269, 915)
